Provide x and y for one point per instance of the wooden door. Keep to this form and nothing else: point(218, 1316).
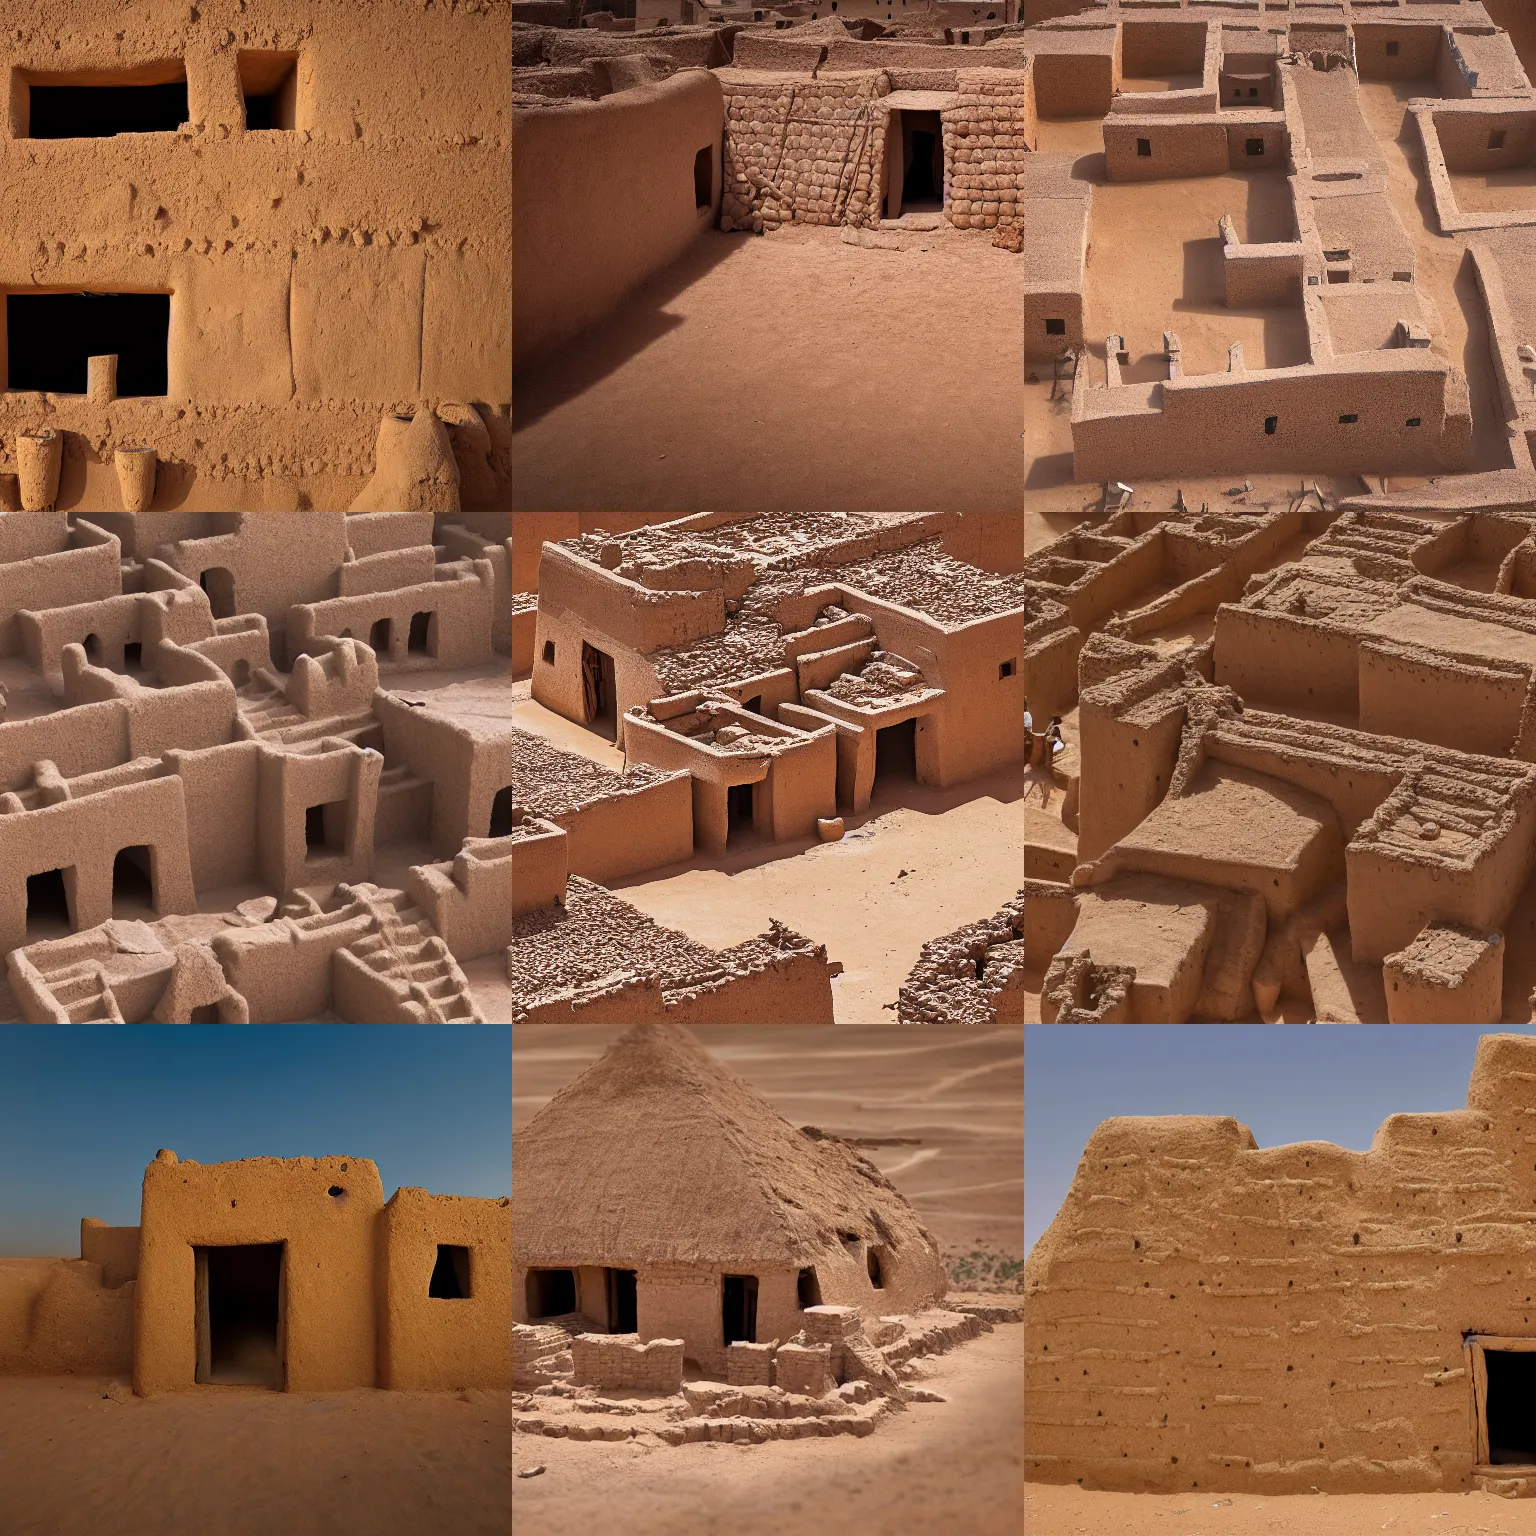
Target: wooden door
point(204, 1371)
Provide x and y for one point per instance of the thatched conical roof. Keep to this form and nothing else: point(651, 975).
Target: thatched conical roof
point(657, 1152)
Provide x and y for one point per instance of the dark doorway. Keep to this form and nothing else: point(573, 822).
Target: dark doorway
point(133, 656)
point(922, 143)
point(808, 1289)
point(599, 696)
point(738, 800)
point(47, 906)
point(550, 1292)
point(1511, 1406)
point(738, 1308)
point(755, 704)
point(501, 813)
point(704, 177)
point(133, 885)
point(239, 1324)
point(623, 1315)
point(325, 829)
point(876, 1269)
point(100, 111)
point(378, 636)
point(421, 634)
point(219, 583)
point(450, 1274)
point(896, 752)
point(50, 335)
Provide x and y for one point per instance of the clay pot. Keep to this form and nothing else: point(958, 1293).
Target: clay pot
point(38, 458)
point(135, 477)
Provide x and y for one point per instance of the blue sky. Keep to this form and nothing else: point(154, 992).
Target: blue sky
point(1296, 1083)
point(83, 1109)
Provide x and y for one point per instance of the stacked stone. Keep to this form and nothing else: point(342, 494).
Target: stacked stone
point(984, 149)
point(749, 1365)
point(620, 1360)
point(836, 1327)
point(802, 150)
point(805, 1369)
point(538, 1351)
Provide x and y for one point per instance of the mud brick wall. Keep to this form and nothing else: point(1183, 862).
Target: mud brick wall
point(805, 1368)
point(532, 1346)
point(984, 149)
point(749, 1365)
point(619, 1360)
point(802, 150)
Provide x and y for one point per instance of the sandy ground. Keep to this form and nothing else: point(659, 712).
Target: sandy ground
point(82, 1455)
point(958, 1093)
point(1070, 1511)
point(939, 1469)
point(790, 371)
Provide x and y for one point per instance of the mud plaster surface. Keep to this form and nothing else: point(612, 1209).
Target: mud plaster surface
point(791, 370)
point(936, 1469)
point(79, 1455)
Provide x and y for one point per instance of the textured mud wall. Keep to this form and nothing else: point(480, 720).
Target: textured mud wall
point(604, 199)
point(318, 275)
point(1206, 1313)
point(58, 1315)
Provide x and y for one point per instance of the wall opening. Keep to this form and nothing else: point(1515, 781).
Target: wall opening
point(1007, 669)
point(549, 653)
point(133, 884)
point(378, 636)
point(242, 673)
point(325, 829)
point(450, 1274)
point(1496, 139)
point(922, 161)
point(419, 641)
point(738, 1308)
point(1255, 146)
point(501, 813)
point(599, 696)
point(93, 650)
point(808, 1288)
point(49, 336)
point(98, 107)
point(703, 178)
point(1393, 49)
point(896, 751)
point(239, 1315)
point(623, 1309)
point(755, 704)
point(269, 86)
point(219, 583)
point(1144, 148)
point(1270, 424)
point(875, 1267)
point(550, 1292)
point(133, 656)
point(47, 905)
point(1349, 419)
point(1511, 1406)
point(738, 803)
point(207, 1014)
point(1055, 327)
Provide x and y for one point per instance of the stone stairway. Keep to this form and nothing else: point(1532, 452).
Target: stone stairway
point(406, 951)
point(81, 989)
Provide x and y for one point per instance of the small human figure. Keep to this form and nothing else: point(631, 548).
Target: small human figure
point(1053, 736)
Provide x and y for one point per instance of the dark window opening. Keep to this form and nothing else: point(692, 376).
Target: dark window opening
point(738, 800)
point(1007, 669)
point(93, 650)
point(808, 1289)
point(237, 1315)
point(549, 653)
point(550, 1292)
point(269, 87)
point(420, 639)
point(325, 829)
point(1253, 90)
point(1392, 50)
point(133, 886)
point(1255, 146)
point(738, 1309)
point(133, 656)
point(501, 813)
point(1335, 276)
point(1415, 421)
point(755, 704)
point(100, 111)
point(1348, 419)
point(922, 141)
point(1335, 255)
point(1270, 424)
point(703, 178)
point(378, 636)
point(599, 695)
point(1496, 139)
point(1511, 1405)
point(896, 751)
point(450, 1275)
point(1055, 327)
point(219, 584)
point(623, 1311)
point(876, 1272)
point(49, 336)
point(207, 1014)
point(1144, 148)
point(47, 906)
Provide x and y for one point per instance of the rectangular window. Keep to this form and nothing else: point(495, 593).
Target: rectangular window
point(49, 336)
point(269, 87)
point(1349, 419)
point(1144, 147)
point(1336, 255)
point(450, 1274)
point(1055, 327)
point(100, 104)
point(1270, 424)
point(1255, 146)
point(1392, 50)
point(325, 829)
point(1415, 421)
point(1007, 669)
point(549, 653)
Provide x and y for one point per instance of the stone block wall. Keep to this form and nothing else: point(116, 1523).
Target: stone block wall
point(621, 1361)
point(984, 147)
point(805, 1369)
point(749, 1365)
point(534, 1348)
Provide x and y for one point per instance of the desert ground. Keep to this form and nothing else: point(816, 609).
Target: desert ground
point(246, 1462)
point(939, 1469)
point(918, 863)
point(1071, 1511)
point(946, 1105)
point(896, 386)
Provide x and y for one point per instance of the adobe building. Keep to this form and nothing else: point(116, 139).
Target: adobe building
point(250, 258)
point(203, 774)
point(1204, 1313)
point(775, 1285)
point(972, 976)
point(288, 1273)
